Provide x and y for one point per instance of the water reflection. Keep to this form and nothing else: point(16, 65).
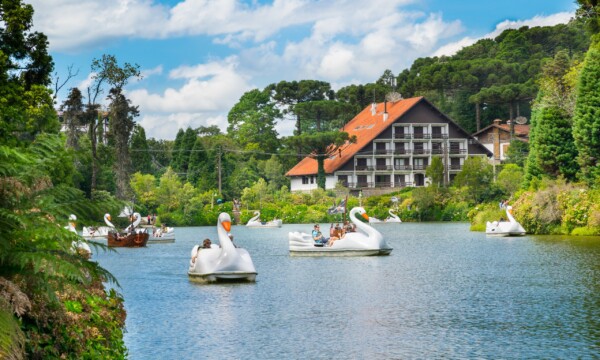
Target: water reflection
point(444, 292)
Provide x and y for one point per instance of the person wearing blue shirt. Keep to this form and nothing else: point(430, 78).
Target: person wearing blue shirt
point(318, 236)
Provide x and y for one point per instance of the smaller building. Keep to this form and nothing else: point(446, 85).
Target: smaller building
point(497, 137)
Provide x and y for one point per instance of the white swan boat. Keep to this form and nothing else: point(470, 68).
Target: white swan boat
point(374, 220)
point(255, 222)
point(98, 232)
point(224, 263)
point(505, 228)
point(366, 241)
point(161, 236)
point(393, 218)
point(79, 246)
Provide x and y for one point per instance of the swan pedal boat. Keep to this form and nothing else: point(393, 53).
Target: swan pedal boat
point(255, 222)
point(366, 241)
point(158, 236)
point(131, 237)
point(226, 263)
point(98, 232)
point(80, 247)
point(505, 228)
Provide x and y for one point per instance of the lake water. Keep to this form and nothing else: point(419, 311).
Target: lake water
point(444, 292)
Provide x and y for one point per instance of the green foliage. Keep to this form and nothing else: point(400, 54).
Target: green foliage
point(435, 171)
point(517, 153)
point(36, 256)
point(141, 159)
point(586, 121)
point(477, 175)
point(510, 178)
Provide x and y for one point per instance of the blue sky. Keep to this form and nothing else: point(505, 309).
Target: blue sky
point(199, 56)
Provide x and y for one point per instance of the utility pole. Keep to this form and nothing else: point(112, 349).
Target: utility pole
point(219, 168)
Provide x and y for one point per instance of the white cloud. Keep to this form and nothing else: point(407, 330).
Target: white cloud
point(206, 96)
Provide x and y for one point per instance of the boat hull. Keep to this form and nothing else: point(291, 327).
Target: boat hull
point(504, 234)
point(322, 251)
point(131, 240)
point(223, 276)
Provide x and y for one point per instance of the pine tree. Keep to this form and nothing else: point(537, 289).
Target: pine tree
point(141, 160)
point(586, 122)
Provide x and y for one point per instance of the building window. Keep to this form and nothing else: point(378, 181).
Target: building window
point(304, 180)
point(312, 179)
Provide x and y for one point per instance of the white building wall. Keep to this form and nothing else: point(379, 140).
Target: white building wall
point(297, 185)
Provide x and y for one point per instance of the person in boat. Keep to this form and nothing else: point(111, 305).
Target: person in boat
point(318, 236)
point(349, 227)
point(231, 238)
point(206, 244)
point(338, 233)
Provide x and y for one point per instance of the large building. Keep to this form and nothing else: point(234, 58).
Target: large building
point(395, 143)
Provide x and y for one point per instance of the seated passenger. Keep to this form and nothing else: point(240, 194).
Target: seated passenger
point(318, 236)
point(206, 244)
point(338, 233)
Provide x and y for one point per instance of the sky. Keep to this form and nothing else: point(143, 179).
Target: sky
point(198, 57)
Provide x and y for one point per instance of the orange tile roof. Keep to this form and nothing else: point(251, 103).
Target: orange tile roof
point(520, 130)
point(366, 127)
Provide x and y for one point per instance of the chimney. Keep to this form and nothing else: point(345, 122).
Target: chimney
point(497, 122)
point(373, 109)
point(385, 113)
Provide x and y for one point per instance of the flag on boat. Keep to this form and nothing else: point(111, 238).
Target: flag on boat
point(337, 209)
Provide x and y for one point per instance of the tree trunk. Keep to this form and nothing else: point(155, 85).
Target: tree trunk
point(94, 155)
point(321, 171)
point(478, 116)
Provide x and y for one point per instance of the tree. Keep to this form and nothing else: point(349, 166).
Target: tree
point(197, 162)
point(476, 175)
point(510, 178)
point(26, 107)
point(73, 114)
point(182, 150)
point(120, 127)
point(586, 121)
point(517, 153)
point(252, 121)
point(320, 146)
point(105, 70)
point(435, 171)
point(141, 159)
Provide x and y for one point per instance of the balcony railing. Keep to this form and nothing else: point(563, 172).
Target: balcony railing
point(383, 151)
point(439, 136)
point(455, 167)
point(402, 167)
point(422, 136)
point(421, 151)
point(402, 152)
point(402, 184)
point(364, 168)
point(383, 167)
point(403, 136)
point(420, 167)
point(383, 184)
point(458, 151)
point(437, 151)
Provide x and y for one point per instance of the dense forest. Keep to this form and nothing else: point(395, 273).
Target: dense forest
point(86, 159)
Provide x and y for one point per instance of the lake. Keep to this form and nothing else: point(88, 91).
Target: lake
point(444, 292)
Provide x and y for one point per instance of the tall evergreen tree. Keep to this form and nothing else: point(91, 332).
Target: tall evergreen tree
point(73, 116)
point(197, 162)
point(176, 158)
point(121, 125)
point(141, 160)
point(586, 122)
